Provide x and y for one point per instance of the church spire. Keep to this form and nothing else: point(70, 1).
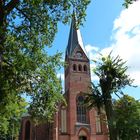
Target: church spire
point(75, 39)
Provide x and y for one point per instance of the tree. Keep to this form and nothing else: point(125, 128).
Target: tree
point(112, 79)
point(128, 2)
point(127, 117)
point(26, 28)
point(10, 118)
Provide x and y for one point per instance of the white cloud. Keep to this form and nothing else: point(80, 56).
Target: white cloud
point(93, 76)
point(90, 48)
point(125, 40)
point(129, 18)
point(91, 51)
point(60, 75)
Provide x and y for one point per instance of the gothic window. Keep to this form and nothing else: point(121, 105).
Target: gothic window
point(79, 67)
point(49, 130)
point(63, 121)
point(81, 110)
point(85, 68)
point(27, 130)
point(74, 67)
point(98, 123)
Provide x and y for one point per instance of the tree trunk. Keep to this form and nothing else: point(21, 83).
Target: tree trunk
point(2, 32)
point(106, 83)
point(110, 117)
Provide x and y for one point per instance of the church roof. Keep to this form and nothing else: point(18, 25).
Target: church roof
point(75, 39)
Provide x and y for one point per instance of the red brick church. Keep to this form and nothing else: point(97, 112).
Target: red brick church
point(73, 122)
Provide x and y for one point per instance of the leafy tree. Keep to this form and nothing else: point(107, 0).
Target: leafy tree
point(10, 117)
point(112, 79)
point(26, 28)
point(127, 112)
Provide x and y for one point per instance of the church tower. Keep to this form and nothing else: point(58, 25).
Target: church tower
point(76, 122)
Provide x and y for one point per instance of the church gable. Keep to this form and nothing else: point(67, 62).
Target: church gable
point(79, 54)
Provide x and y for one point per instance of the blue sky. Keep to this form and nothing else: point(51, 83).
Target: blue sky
point(109, 26)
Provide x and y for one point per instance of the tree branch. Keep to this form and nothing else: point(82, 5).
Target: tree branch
point(11, 5)
point(117, 95)
point(26, 16)
point(1, 3)
point(1, 14)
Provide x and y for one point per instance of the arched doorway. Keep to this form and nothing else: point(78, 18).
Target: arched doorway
point(82, 138)
point(83, 135)
point(27, 130)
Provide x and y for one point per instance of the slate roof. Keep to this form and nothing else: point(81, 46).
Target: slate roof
point(75, 39)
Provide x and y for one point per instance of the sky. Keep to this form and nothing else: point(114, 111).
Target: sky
point(108, 27)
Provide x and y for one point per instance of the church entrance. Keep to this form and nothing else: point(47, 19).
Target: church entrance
point(82, 138)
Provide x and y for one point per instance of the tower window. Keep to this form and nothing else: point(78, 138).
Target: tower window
point(81, 110)
point(74, 67)
point(85, 68)
point(79, 67)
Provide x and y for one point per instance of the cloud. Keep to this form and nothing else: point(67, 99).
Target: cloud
point(126, 35)
point(90, 48)
point(91, 51)
point(125, 40)
point(60, 75)
point(93, 76)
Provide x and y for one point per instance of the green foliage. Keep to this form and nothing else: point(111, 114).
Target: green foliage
point(38, 19)
point(112, 79)
point(30, 72)
point(127, 112)
point(112, 74)
point(10, 116)
point(26, 28)
point(94, 98)
point(128, 2)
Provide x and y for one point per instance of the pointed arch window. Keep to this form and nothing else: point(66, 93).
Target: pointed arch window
point(85, 68)
point(81, 110)
point(79, 67)
point(74, 67)
point(27, 130)
point(98, 123)
point(63, 120)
